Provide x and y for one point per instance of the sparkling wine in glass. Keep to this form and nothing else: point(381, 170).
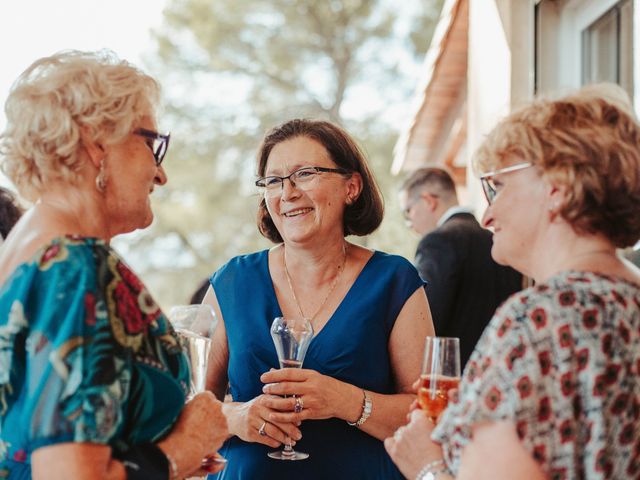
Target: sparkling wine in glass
point(291, 337)
point(440, 373)
point(194, 325)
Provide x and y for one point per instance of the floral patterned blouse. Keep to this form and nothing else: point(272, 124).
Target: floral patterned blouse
point(86, 355)
point(561, 360)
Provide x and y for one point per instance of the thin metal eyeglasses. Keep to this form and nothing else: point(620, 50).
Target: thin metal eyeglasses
point(159, 145)
point(303, 178)
point(488, 185)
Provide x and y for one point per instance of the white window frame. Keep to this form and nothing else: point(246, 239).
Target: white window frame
point(572, 17)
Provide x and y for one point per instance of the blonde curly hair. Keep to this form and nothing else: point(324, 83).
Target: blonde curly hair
point(56, 99)
point(588, 143)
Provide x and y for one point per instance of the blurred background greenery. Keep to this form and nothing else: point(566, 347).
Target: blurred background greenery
point(232, 70)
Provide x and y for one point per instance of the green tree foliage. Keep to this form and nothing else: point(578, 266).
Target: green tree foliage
point(231, 70)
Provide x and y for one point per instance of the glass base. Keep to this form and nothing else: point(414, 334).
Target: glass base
point(288, 455)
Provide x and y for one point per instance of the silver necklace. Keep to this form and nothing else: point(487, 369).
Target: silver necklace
point(331, 289)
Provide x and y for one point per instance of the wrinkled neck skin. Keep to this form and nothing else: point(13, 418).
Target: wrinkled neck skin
point(74, 210)
point(316, 259)
point(62, 210)
point(561, 249)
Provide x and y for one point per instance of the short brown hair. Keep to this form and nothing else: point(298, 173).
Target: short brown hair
point(432, 176)
point(365, 214)
point(589, 143)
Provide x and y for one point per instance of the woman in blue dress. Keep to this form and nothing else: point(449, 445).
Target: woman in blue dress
point(92, 378)
point(368, 310)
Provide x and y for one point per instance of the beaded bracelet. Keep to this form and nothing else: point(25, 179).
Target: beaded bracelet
point(367, 407)
point(432, 469)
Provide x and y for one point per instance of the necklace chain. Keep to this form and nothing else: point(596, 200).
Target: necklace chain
point(331, 289)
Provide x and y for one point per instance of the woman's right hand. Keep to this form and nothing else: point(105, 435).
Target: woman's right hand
point(245, 420)
point(200, 431)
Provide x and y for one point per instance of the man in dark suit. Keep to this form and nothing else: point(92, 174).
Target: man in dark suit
point(464, 284)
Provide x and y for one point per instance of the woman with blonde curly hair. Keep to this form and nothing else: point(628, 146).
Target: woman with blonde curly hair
point(552, 389)
point(92, 379)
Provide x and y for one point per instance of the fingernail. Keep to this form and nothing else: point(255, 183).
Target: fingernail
point(298, 423)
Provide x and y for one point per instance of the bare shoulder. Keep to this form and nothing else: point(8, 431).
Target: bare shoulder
point(359, 253)
point(20, 247)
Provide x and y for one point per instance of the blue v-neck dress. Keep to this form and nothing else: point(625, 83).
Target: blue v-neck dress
point(351, 347)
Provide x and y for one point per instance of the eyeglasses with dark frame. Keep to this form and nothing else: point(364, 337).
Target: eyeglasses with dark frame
point(488, 185)
point(301, 178)
point(160, 143)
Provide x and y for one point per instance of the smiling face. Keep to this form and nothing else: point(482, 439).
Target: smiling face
point(315, 214)
point(131, 177)
point(518, 217)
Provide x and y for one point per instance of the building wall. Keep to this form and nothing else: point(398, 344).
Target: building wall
point(500, 71)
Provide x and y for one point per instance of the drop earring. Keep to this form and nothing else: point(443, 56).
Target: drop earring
point(101, 179)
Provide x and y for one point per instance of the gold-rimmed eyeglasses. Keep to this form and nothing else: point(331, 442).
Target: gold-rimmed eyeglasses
point(488, 185)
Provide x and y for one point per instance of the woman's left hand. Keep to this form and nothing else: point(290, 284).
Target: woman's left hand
point(317, 396)
point(411, 447)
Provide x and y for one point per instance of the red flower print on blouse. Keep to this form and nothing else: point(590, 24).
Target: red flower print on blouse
point(544, 409)
point(558, 474)
point(599, 386)
point(521, 429)
point(20, 456)
point(628, 434)
point(567, 384)
point(619, 298)
point(493, 398)
point(611, 374)
point(525, 386)
point(486, 363)
point(590, 318)
point(567, 298)
point(539, 318)
point(635, 412)
point(540, 454)
point(516, 352)
point(564, 333)
point(504, 326)
point(544, 358)
point(50, 253)
point(603, 464)
point(624, 332)
point(582, 358)
point(128, 310)
point(634, 466)
point(471, 370)
point(129, 277)
point(607, 345)
point(567, 431)
point(89, 308)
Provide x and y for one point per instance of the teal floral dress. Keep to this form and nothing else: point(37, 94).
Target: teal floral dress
point(86, 355)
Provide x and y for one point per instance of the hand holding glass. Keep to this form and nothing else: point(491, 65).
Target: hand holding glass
point(194, 325)
point(291, 337)
point(440, 373)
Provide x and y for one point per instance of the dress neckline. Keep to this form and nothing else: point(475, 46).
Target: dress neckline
point(352, 288)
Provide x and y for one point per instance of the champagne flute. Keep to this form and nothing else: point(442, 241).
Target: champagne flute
point(194, 325)
point(291, 337)
point(440, 373)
